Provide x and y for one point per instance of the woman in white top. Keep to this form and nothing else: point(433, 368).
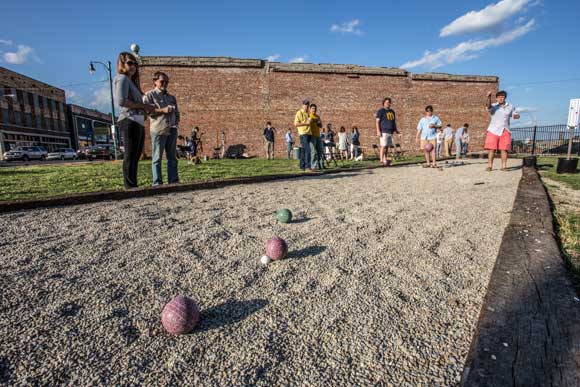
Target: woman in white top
point(132, 116)
point(342, 143)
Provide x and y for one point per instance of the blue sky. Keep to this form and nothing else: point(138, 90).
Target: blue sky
point(525, 42)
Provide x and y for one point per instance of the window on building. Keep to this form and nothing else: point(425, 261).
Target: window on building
point(42, 122)
point(40, 102)
point(28, 119)
point(35, 98)
point(30, 99)
point(17, 118)
point(1, 91)
point(20, 96)
point(5, 116)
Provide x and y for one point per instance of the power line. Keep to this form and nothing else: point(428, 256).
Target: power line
point(544, 82)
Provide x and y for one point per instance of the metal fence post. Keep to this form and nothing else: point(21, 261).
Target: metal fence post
point(534, 140)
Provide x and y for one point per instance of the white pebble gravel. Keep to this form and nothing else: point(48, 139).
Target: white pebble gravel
point(383, 284)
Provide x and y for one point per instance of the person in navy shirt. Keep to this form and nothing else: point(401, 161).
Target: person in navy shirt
point(269, 137)
point(386, 125)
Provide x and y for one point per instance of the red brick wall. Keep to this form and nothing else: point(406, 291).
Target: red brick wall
point(241, 100)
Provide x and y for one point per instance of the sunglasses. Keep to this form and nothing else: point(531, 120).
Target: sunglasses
point(131, 63)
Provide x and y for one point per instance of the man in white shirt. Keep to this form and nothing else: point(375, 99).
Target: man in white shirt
point(498, 133)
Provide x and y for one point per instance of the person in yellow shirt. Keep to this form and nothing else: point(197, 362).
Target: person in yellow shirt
point(302, 124)
point(316, 144)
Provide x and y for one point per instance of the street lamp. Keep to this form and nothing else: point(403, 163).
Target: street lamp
point(113, 121)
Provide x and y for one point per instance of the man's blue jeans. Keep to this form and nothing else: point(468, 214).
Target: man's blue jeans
point(458, 148)
point(167, 143)
point(305, 155)
point(317, 152)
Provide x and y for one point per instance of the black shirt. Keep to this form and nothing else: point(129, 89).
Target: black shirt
point(269, 134)
point(387, 120)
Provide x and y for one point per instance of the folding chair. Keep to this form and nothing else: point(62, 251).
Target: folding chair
point(328, 154)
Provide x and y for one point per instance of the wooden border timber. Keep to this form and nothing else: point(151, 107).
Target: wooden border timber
point(528, 333)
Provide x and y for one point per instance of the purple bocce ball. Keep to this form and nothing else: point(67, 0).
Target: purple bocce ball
point(276, 248)
point(180, 315)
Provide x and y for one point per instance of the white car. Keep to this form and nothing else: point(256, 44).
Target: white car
point(26, 153)
point(62, 154)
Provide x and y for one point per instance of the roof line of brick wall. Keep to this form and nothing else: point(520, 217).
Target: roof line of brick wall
point(355, 70)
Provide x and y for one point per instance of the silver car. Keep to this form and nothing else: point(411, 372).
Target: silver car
point(62, 154)
point(26, 153)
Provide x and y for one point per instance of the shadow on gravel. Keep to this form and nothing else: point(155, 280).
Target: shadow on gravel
point(4, 371)
point(228, 313)
point(306, 252)
point(514, 168)
point(338, 175)
point(302, 220)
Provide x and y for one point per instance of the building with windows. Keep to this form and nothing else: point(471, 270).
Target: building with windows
point(32, 113)
point(89, 126)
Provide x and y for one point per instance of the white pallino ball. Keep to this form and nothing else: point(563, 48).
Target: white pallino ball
point(265, 259)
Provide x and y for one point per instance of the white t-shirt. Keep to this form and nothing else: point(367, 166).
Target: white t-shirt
point(439, 137)
point(500, 118)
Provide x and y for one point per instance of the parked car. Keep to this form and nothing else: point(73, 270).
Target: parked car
point(26, 153)
point(105, 152)
point(62, 154)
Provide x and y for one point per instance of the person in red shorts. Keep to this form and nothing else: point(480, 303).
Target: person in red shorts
point(498, 133)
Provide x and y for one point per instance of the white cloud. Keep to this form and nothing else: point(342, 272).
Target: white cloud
point(22, 54)
point(6, 42)
point(299, 59)
point(273, 58)
point(70, 93)
point(467, 50)
point(347, 28)
point(73, 97)
point(101, 99)
point(485, 19)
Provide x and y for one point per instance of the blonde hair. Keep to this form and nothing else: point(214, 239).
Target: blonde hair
point(123, 67)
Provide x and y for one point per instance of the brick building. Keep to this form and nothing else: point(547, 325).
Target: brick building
point(33, 113)
point(240, 95)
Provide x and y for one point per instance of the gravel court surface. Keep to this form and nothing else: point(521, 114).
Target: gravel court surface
point(386, 276)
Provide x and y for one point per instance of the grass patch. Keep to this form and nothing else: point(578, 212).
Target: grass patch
point(569, 234)
point(44, 181)
point(547, 167)
point(568, 221)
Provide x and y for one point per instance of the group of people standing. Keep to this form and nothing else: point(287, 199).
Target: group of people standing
point(318, 143)
point(315, 140)
point(498, 137)
point(447, 137)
